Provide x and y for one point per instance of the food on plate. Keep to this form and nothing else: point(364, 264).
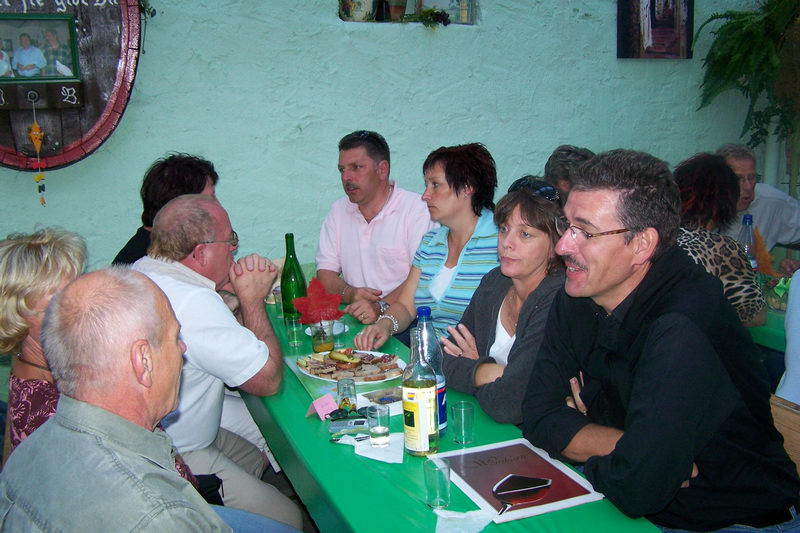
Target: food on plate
point(360, 366)
point(345, 356)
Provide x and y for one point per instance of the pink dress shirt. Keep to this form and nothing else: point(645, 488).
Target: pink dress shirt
point(377, 254)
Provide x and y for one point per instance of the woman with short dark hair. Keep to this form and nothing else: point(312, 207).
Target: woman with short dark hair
point(451, 260)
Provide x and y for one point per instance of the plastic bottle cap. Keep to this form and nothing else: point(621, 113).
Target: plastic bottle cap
point(747, 220)
point(423, 311)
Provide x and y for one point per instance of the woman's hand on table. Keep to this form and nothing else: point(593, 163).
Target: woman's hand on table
point(371, 337)
point(363, 311)
point(462, 343)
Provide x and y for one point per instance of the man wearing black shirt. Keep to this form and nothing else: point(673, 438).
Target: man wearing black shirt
point(167, 178)
point(667, 404)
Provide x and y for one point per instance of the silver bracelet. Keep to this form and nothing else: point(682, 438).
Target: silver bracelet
point(395, 325)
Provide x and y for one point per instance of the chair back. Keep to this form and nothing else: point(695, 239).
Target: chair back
point(786, 415)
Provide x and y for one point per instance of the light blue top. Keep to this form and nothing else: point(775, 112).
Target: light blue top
point(478, 257)
point(789, 387)
point(28, 56)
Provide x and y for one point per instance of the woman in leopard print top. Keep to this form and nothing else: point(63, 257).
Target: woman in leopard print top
point(709, 192)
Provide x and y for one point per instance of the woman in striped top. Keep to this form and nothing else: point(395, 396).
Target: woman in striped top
point(451, 261)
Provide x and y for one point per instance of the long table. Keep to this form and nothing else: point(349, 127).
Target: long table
point(346, 492)
point(772, 334)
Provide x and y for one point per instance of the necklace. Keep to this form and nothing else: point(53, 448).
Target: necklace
point(19, 356)
point(388, 196)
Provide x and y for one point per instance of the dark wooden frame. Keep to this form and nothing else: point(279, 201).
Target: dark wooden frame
point(109, 103)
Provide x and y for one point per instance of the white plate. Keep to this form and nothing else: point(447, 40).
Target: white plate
point(400, 364)
point(337, 329)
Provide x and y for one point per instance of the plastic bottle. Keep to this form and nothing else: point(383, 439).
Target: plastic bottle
point(420, 413)
point(429, 345)
point(747, 241)
point(293, 283)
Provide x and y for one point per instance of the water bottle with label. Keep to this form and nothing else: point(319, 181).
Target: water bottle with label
point(429, 343)
point(747, 241)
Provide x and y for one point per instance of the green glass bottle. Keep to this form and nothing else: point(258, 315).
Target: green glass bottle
point(420, 408)
point(293, 283)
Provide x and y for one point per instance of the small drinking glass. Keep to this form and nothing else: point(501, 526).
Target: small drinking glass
point(463, 422)
point(276, 293)
point(338, 334)
point(322, 336)
point(294, 331)
point(378, 419)
point(437, 482)
point(346, 393)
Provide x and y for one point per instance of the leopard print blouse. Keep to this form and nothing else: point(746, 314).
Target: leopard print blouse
point(721, 256)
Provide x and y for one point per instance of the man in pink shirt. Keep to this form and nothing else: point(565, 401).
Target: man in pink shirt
point(369, 236)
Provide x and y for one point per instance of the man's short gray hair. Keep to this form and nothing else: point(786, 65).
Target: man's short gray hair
point(183, 223)
point(736, 151)
point(89, 327)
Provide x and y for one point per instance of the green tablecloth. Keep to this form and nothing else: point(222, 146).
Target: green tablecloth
point(772, 334)
point(346, 492)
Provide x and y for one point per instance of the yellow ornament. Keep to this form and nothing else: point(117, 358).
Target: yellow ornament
point(38, 177)
point(35, 134)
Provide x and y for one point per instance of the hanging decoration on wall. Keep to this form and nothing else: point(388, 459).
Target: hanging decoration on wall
point(36, 136)
point(91, 51)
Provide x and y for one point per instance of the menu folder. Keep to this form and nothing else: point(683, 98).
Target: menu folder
point(516, 480)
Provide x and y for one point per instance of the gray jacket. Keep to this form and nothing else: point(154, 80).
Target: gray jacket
point(87, 469)
point(502, 399)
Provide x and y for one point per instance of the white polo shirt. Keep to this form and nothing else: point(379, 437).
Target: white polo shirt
point(776, 216)
point(219, 351)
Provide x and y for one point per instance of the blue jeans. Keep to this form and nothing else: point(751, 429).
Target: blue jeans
point(792, 526)
point(244, 522)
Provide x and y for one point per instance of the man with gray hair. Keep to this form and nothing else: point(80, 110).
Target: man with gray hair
point(776, 215)
point(113, 346)
point(190, 258)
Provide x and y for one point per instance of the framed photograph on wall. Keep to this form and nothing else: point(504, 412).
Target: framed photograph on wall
point(38, 48)
point(655, 29)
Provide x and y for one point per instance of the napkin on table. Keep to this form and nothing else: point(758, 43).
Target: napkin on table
point(393, 453)
point(469, 522)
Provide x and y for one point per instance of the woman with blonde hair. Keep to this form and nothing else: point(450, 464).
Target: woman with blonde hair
point(33, 268)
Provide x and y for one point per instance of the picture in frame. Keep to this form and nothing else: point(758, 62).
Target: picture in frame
point(37, 48)
point(655, 29)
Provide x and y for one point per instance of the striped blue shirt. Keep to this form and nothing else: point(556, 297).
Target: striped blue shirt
point(478, 257)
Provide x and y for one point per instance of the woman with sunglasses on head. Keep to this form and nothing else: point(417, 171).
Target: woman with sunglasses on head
point(491, 352)
point(451, 260)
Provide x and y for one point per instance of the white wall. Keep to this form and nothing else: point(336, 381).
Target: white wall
point(266, 89)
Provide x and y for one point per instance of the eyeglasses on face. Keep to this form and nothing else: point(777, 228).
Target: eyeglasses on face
point(752, 179)
point(563, 225)
point(535, 186)
point(233, 241)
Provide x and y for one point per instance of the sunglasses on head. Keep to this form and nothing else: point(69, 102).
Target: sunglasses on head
point(535, 186)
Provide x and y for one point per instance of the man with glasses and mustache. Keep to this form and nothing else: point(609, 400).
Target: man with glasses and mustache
point(190, 258)
point(776, 215)
point(646, 375)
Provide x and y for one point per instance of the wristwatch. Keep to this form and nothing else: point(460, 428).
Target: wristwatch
point(382, 306)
